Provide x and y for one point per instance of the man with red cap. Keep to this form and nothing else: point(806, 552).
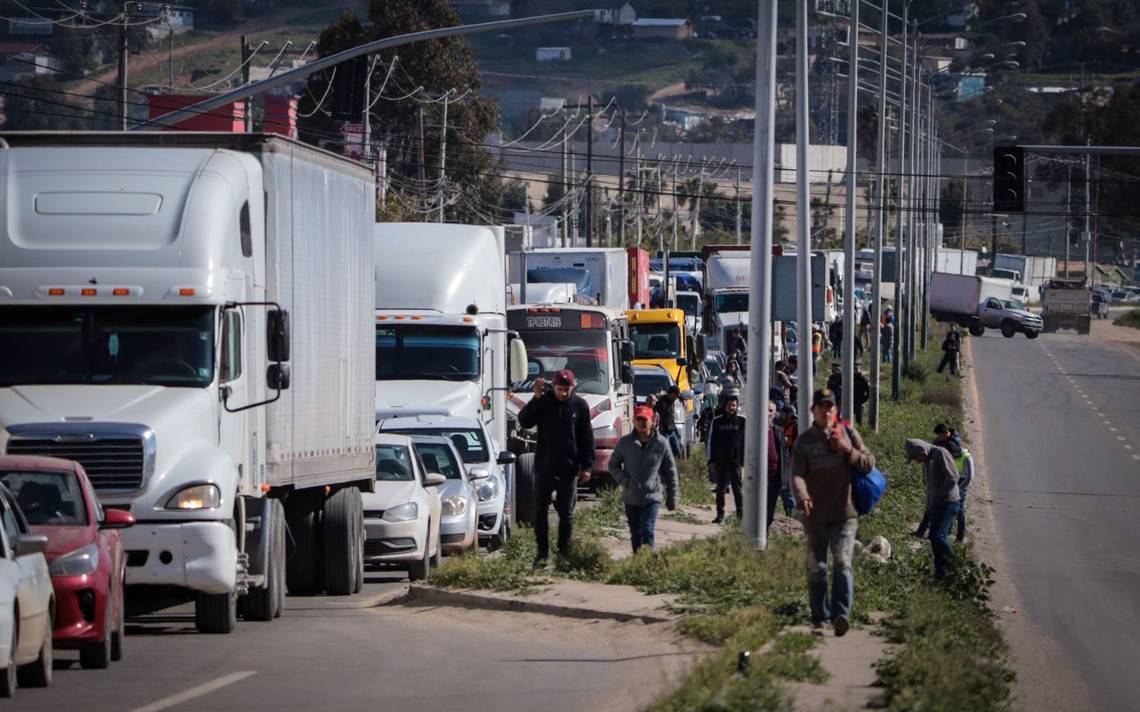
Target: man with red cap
point(563, 458)
point(643, 466)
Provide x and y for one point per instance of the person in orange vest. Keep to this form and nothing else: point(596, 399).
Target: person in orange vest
point(816, 348)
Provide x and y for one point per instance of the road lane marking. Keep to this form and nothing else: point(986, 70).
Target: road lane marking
point(203, 689)
point(1127, 447)
point(1120, 438)
point(1136, 457)
point(1112, 430)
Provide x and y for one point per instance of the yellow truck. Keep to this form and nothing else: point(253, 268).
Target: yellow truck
point(660, 339)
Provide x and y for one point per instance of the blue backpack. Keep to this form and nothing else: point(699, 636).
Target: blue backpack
point(867, 488)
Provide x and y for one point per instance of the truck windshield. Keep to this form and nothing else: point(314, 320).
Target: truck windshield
point(689, 303)
point(423, 352)
point(655, 340)
point(147, 345)
point(584, 352)
point(734, 302)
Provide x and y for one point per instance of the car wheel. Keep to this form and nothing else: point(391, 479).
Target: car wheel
point(8, 679)
point(437, 559)
point(418, 570)
point(117, 638)
point(97, 656)
point(38, 672)
point(499, 539)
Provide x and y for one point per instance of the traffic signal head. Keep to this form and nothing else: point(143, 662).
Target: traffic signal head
point(1009, 179)
point(348, 89)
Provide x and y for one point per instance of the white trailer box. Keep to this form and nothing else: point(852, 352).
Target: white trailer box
point(601, 273)
point(961, 294)
point(199, 305)
point(1035, 270)
point(956, 261)
point(726, 270)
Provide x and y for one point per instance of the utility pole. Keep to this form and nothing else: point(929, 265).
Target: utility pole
point(170, 55)
point(849, 322)
point(565, 192)
point(739, 238)
point(574, 190)
point(423, 157)
point(660, 206)
point(896, 349)
point(365, 116)
point(443, 159)
point(927, 211)
point(1068, 220)
point(590, 171)
point(674, 204)
point(247, 105)
point(621, 180)
point(124, 48)
point(803, 218)
point(639, 195)
point(912, 237)
point(609, 224)
point(696, 218)
point(993, 241)
point(1087, 234)
point(880, 222)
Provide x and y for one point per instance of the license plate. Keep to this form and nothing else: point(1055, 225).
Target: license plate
point(544, 322)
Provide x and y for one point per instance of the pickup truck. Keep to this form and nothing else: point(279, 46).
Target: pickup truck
point(980, 303)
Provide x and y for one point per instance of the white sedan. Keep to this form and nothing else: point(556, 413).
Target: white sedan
point(26, 602)
point(402, 515)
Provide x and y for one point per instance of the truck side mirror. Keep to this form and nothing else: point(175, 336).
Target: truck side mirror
point(277, 376)
point(682, 362)
point(506, 457)
point(277, 336)
point(702, 347)
point(626, 373)
point(518, 366)
point(627, 355)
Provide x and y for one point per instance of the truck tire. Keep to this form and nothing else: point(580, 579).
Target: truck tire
point(977, 330)
point(262, 604)
point(216, 612)
point(303, 575)
point(524, 488)
point(1048, 325)
point(1008, 329)
point(1084, 325)
point(359, 585)
point(342, 536)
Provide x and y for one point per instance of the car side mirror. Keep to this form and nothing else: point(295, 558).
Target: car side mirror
point(27, 544)
point(117, 519)
point(434, 479)
point(277, 376)
point(477, 473)
point(277, 336)
point(518, 366)
point(506, 457)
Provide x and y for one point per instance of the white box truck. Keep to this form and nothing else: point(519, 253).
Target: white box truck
point(442, 346)
point(978, 303)
point(727, 276)
point(189, 317)
point(601, 273)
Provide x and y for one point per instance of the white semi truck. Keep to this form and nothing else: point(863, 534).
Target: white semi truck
point(189, 316)
point(727, 287)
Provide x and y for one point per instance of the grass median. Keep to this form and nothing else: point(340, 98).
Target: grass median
point(946, 653)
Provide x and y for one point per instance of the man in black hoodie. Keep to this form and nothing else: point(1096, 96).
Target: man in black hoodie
point(942, 497)
point(726, 455)
point(564, 457)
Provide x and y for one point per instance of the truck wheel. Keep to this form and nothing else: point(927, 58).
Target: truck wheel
point(1008, 329)
point(1084, 325)
point(977, 330)
point(359, 586)
point(524, 488)
point(302, 573)
point(38, 672)
point(216, 612)
point(1031, 334)
point(342, 535)
point(261, 604)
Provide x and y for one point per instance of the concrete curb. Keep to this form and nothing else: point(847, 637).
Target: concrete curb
point(469, 598)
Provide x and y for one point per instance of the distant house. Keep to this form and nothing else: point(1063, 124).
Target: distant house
point(482, 9)
point(548, 104)
point(26, 58)
point(177, 18)
point(686, 119)
point(659, 28)
point(552, 54)
point(620, 13)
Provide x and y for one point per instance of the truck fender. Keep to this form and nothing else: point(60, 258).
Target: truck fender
point(200, 462)
point(258, 525)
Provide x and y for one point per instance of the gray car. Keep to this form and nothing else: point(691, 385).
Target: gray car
point(459, 503)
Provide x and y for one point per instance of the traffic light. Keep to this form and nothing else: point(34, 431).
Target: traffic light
point(1009, 179)
point(348, 89)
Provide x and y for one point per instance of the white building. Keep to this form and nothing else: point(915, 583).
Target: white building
point(552, 54)
point(620, 13)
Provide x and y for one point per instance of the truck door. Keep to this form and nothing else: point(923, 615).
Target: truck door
point(235, 435)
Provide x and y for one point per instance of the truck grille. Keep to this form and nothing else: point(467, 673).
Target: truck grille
point(116, 458)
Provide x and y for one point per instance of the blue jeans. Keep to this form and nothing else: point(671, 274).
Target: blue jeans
point(642, 520)
point(941, 519)
point(839, 538)
point(961, 512)
point(674, 439)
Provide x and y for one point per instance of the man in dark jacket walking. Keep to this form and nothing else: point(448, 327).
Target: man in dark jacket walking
point(726, 455)
point(666, 423)
point(942, 497)
point(564, 457)
point(779, 472)
point(862, 394)
point(950, 347)
point(642, 464)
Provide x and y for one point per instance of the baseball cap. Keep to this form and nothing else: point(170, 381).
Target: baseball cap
point(836, 367)
point(823, 395)
point(941, 429)
point(789, 408)
point(565, 377)
point(643, 411)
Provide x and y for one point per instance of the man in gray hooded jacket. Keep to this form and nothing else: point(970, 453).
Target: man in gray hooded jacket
point(642, 464)
point(942, 497)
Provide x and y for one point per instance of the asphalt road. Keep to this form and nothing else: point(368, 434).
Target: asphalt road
point(1060, 418)
point(359, 654)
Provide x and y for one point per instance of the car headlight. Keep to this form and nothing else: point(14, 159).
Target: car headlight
point(196, 497)
point(78, 563)
point(404, 513)
point(488, 489)
point(453, 505)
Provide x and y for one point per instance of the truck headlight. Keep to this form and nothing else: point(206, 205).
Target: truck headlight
point(78, 563)
point(196, 497)
point(453, 505)
point(404, 513)
point(488, 489)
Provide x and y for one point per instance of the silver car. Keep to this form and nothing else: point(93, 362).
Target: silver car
point(459, 503)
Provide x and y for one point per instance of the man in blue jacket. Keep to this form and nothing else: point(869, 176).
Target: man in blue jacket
point(642, 464)
point(564, 457)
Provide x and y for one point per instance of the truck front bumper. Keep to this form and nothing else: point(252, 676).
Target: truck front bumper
point(201, 556)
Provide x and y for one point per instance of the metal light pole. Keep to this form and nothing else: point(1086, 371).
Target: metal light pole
point(803, 223)
point(849, 323)
point(880, 223)
point(759, 305)
point(896, 347)
point(911, 237)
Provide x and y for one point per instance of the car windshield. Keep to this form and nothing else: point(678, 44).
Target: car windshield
point(655, 340)
point(689, 303)
point(733, 302)
point(51, 497)
point(422, 352)
point(468, 442)
point(648, 384)
point(161, 346)
point(584, 352)
point(394, 464)
point(714, 368)
point(1011, 305)
point(439, 458)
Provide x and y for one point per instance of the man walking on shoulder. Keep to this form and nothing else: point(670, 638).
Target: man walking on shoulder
point(942, 497)
point(563, 458)
point(726, 455)
point(642, 464)
point(822, 461)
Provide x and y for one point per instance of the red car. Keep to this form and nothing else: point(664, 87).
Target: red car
point(84, 553)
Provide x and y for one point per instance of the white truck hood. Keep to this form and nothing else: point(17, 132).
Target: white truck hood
point(403, 398)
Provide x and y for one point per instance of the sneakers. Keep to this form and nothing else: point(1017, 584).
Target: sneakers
point(817, 630)
point(841, 626)
point(719, 519)
point(541, 563)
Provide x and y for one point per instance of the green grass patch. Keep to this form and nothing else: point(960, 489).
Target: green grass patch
point(682, 517)
point(1129, 318)
point(693, 479)
point(509, 570)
